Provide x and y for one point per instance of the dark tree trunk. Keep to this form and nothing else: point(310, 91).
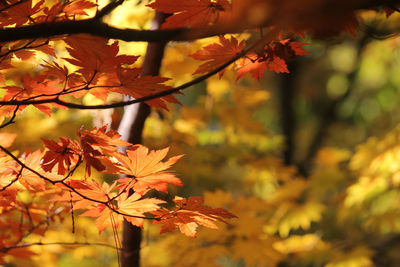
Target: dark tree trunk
point(288, 119)
point(131, 128)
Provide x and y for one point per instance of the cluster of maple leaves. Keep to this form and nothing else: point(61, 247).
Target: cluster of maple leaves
point(94, 65)
point(48, 174)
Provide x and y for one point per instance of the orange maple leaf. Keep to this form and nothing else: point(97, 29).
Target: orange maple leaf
point(190, 13)
point(146, 168)
point(104, 217)
point(8, 169)
point(96, 58)
point(188, 214)
point(132, 205)
point(6, 139)
point(136, 206)
point(132, 84)
point(217, 54)
point(37, 87)
point(92, 191)
point(31, 180)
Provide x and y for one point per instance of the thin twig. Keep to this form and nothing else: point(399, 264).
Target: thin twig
point(11, 120)
point(108, 8)
point(13, 180)
point(5, 249)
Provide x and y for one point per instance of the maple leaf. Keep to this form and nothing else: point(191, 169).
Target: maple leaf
point(135, 206)
point(61, 73)
point(250, 64)
point(21, 13)
point(91, 190)
point(6, 139)
point(188, 214)
point(62, 154)
point(190, 13)
point(107, 141)
point(78, 7)
point(95, 56)
point(102, 67)
point(147, 169)
point(96, 143)
point(104, 217)
point(24, 253)
point(8, 170)
point(30, 179)
point(36, 87)
point(130, 83)
point(32, 86)
point(126, 203)
point(217, 54)
point(273, 57)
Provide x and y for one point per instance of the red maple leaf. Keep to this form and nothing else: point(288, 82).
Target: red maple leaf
point(62, 154)
point(78, 7)
point(190, 13)
point(273, 57)
point(188, 214)
point(217, 54)
point(21, 13)
point(96, 144)
point(102, 139)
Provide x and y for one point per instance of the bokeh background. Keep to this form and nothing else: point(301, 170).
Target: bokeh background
point(309, 161)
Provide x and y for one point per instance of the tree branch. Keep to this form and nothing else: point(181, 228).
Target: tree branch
point(6, 249)
point(98, 28)
point(94, 26)
point(58, 101)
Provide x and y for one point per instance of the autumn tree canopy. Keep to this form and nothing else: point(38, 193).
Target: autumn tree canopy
point(75, 53)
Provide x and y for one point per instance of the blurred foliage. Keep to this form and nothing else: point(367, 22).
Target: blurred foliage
point(343, 211)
